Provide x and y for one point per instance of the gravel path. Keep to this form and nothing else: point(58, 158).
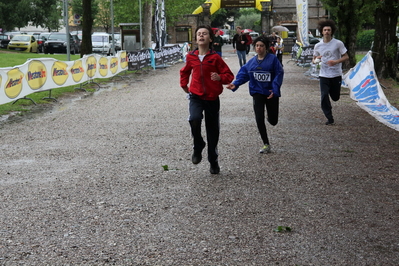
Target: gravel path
point(83, 183)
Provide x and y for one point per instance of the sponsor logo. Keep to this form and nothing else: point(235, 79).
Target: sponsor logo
point(124, 60)
point(103, 64)
point(37, 74)
point(77, 70)
point(59, 72)
point(91, 63)
point(14, 83)
point(114, 65)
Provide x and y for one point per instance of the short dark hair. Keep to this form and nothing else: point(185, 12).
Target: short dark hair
point(327, 23)
point(211, 34)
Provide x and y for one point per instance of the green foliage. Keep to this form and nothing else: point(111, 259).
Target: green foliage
point(176, 9)
point(281, 229)
point(18, 13)
point(250, 21)
point(220, 17)
point(77, 7)
point(391, 51)
point(365, 39)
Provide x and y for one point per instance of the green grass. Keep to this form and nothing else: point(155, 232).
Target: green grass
point(8, 59)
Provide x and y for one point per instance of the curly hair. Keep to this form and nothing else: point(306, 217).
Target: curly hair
point(327, 23)
point(211, 34)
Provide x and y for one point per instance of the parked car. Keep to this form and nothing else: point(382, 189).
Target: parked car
point(4, 40)
point(57, 43)
point(26, 43)
point(41, 39)
point(101, 43)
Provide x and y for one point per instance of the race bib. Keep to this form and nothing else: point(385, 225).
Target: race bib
point(262, 76)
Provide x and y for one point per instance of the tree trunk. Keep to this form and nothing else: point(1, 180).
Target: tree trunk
point(87, 25)
point(385, 41)
point(147, 24)
point(348, 23)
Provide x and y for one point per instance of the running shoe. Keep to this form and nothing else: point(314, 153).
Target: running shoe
point(265, 149)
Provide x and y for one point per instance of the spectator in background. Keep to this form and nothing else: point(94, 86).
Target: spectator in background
point(273, 38)
point(218, 43)
point(239, 45)
point(279, 47)
point(249, 42)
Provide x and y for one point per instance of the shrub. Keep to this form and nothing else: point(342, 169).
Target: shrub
point(364, 39)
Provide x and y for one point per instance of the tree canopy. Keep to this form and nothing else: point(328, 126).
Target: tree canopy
point(351, 15)
point(18, 13)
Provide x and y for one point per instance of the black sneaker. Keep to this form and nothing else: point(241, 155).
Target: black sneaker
point(215, 169)
point(330, 122)
point(197, 155)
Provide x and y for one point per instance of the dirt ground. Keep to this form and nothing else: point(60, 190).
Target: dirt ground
point(107, 179)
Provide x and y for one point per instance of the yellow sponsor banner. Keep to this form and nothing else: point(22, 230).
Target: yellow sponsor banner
point(77, 71)
point(41, 74)
point(103, 63)
point(14, 83)
point(37, 74)
point(114, 64)
point(91, 66)
point(124, 60)
point(59, 72)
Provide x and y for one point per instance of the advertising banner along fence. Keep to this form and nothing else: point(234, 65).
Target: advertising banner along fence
point(42, 74)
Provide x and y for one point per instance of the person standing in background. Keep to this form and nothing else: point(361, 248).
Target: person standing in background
point(279, 47)
point(218, 43)
point(249, 42)
point(332, 53)
point(239, 45)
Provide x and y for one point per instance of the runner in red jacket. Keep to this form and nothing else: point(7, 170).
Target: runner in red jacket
point(208, 73)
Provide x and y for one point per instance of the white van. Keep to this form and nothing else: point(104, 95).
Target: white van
point(101, 43)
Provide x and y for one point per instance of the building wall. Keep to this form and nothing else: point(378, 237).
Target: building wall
point(284, 13)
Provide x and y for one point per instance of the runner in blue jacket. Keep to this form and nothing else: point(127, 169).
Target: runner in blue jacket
point(265, 75)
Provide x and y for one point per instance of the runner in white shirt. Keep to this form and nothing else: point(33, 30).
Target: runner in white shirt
point(331, 52)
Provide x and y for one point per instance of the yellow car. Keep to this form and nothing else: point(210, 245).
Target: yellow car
point(26, 43)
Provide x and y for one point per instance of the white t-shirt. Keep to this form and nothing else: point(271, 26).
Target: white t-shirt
point(332, 50)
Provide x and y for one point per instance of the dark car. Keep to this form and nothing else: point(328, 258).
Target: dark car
point(4, 40)
point(41, 39)
point(57, 43)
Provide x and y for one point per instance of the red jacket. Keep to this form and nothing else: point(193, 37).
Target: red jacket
point(201, 83)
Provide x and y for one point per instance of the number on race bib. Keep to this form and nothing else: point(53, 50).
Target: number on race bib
point(262, 76)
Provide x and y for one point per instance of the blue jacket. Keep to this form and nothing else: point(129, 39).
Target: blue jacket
point(263, 76)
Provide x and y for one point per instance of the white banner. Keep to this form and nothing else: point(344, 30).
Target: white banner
point(366, 90)
point(42, 74)
point(303, 26)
